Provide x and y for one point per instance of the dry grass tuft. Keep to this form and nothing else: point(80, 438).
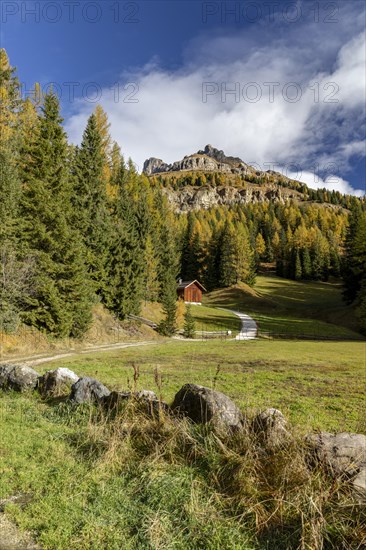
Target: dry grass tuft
point(272, 494)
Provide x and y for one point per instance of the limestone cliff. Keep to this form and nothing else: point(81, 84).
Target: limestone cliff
point(196, 198)
point(208, 160)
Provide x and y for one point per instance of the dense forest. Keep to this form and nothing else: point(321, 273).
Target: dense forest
point(79, 226)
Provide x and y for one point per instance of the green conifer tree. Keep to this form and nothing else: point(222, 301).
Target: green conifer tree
point(168, 325)
point(352, 274)
point(61, 302)
point(169, 263)
point(15, 265)
point(298, 268)
point(90, 204)
point(126, 257)
point(306, 263)
point(237, 263)
point(189, 328)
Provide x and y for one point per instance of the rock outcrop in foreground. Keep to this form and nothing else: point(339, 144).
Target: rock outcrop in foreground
point(18, 377)
point(344, 454)
point(86, 390)
point(203, 405)
point(55, 382)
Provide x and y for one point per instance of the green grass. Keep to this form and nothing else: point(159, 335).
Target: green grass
point(215, 320)
point(317, 384)
point(134, 483)
point(81, 499)
point(291, 308)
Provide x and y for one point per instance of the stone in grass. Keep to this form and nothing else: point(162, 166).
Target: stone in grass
point(55, 382)
point(146, 402)
point(87, 390)
point(343, 454)
point(18, 377)
point(270, 426)
point(204, 405)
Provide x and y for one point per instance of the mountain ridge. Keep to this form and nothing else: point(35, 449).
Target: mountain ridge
point(209, 159)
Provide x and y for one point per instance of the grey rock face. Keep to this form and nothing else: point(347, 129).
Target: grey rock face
point(220, 156)
point(54, 382)
point(154, 166)
point(196, 198)
point(359, 482)
point(203, 405)
point(86, 390)
point(208, 160)
point(18, 377)
point(344, 454)
point(271, 427)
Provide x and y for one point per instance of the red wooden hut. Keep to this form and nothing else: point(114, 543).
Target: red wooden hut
point(191, 291)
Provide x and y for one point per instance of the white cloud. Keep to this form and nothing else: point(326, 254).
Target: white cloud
point(171, 119)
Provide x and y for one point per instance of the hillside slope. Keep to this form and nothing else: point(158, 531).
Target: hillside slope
point(290, 308)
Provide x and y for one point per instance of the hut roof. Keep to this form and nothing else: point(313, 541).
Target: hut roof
point(185, 284)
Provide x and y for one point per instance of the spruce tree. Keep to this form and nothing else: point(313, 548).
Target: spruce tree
point(126, 257)
point(61, 303)
point(212, 275)
point(151, 277)
point(169, 263)
point(189, 328)
point(306, 263)
point(168, 325)
point(90, 204)
point(317, 262)
point(351, 269)
point(357, 267)
point(15, 265)
point(227, 269)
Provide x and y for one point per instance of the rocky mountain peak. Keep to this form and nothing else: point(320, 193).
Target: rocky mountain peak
point(219, 155)
point(209, 159)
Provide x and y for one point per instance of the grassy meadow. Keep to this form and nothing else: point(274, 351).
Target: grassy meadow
point(130, 482)
point(291, 308)
point(317, 384)
point(137, 483)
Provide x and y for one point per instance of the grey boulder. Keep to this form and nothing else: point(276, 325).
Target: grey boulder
point(18, 377)
point(270, 426)
point(55, 382)
point(344, 454)
point(204, 405)
point(87, 390)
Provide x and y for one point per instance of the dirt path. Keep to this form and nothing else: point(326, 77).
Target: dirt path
point(32, 360)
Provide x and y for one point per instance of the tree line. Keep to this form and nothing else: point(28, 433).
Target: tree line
point(79, 225)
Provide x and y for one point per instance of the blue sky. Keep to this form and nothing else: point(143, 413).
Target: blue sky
point(280, 84)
